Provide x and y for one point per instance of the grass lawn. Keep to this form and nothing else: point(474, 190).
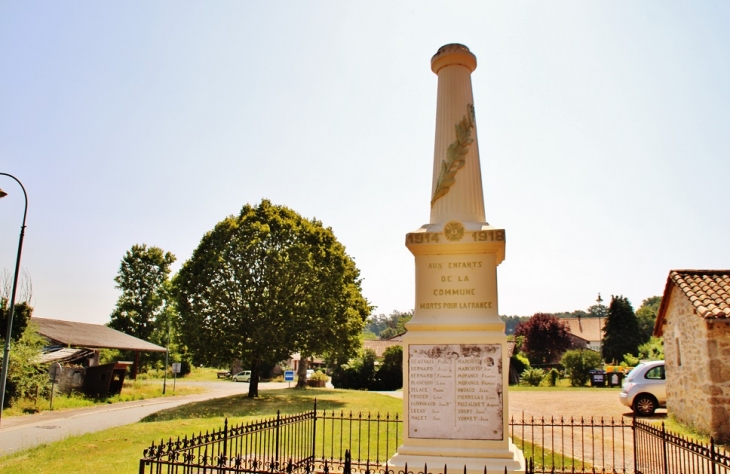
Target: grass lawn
point(133, 390)
point(118, 450)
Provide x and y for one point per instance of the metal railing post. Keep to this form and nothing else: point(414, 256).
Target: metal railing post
point(278, 427)
point(664, 449)
point(314, 432)
point(225, 438)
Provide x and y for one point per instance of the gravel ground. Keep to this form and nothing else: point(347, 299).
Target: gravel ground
point(596, 403)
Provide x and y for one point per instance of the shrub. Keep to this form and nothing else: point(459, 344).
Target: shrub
point(26, 374)
point(652, 350)
point(631, 360)
point(520, 362)
point(358, 374)
point(578, 364)
point(532, 376)
point(553, 376)
point(390, 373)
point(320, 376)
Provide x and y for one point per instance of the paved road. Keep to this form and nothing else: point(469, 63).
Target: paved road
point(23, 432)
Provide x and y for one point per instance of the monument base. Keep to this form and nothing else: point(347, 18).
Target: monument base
point(470, 462)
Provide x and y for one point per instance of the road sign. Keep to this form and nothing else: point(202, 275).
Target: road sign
point(176, 367)
point(54, 372)
point(289, 376)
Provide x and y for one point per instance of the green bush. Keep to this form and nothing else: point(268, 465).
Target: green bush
point(652, 350)
point(553, 376)
point(578, 364)
point(532, 376)
point(26, 374)
point(319, 375)
point(390, 373)
point(357, 374)
point(631, 360)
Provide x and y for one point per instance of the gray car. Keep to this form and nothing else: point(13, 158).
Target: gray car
point(244, 376)
point(645, 388)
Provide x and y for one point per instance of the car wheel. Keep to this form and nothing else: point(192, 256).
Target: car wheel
point(644, 405)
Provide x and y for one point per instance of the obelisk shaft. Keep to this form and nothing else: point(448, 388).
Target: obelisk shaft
point(456, 140)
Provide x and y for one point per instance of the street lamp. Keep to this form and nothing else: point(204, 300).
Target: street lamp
point(6, 351)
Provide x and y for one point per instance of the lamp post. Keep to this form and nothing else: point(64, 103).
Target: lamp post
point(6, 351)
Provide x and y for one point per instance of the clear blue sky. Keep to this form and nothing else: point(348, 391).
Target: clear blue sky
point(603, 131)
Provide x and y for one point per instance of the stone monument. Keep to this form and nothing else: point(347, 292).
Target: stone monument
point(455, 397)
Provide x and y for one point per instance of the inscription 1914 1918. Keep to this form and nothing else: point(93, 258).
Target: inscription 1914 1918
point(436, 237)
point(455, 391)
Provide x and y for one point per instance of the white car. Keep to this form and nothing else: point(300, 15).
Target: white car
point(244, 376)
point(645, 388)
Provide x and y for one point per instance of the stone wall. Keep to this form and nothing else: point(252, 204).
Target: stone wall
point(718, 350)
point(697, 355)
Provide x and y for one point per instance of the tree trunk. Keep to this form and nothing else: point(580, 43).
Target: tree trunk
point(302, 371)
point(253, 384)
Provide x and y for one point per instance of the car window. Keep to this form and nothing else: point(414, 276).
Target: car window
point(635, 371)
point(656, 373)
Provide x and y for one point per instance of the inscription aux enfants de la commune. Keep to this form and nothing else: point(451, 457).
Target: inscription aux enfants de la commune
point(452, 282)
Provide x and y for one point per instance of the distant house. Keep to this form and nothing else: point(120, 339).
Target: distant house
point(380, 345)
point(589, 330)
point(694, 319)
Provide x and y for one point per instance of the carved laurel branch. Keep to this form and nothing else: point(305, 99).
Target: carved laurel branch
point(455, 155)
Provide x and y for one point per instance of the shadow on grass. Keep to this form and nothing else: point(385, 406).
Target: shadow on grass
point(287, 401)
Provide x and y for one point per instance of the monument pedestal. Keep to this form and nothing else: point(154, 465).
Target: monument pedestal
point(456, 360)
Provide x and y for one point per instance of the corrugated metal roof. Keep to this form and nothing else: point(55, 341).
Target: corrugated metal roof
point(65, 355)
point(70, 333)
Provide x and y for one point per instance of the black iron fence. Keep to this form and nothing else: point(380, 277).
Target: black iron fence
point(659, 451)
point(329, 442)
point(575, 445)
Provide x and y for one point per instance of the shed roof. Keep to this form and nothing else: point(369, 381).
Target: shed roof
point(707, 290)
point(70, 333)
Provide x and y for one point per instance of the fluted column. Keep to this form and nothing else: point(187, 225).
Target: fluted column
point(456, 191)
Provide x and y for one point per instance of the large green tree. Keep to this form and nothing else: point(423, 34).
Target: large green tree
point(545, 338)
point(142, 278)
point(265, 284)
point(21, 317)
point(646, 316)
point(621, 331)
point(388, 326)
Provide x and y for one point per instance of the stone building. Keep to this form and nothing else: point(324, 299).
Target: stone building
point(694, 319)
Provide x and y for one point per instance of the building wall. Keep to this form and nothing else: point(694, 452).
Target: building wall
point(698, 379)
point(718, 350)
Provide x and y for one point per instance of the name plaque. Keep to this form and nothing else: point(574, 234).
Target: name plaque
point(455, 391)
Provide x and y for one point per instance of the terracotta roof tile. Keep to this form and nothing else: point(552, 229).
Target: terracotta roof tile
point(707, 290)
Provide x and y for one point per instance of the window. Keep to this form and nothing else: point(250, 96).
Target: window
point(657, 373)
point(679, 353)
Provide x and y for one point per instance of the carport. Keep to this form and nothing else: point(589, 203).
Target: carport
point(71, 334)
